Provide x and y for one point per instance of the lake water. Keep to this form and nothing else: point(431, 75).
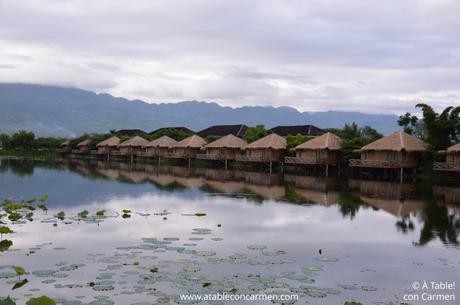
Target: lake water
point(262, 234)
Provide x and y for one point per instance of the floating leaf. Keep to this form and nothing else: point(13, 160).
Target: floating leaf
point(43, 300)
point(200, 214)
point(7, 301)
point(19, 284)
point(43, 207)
point(5, 230)
point(100, 213)
point(19, 270)
point(60, 215)
point(83, 214)
point(43, 198)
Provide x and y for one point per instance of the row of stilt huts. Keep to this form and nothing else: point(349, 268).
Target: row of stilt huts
point(398, 151)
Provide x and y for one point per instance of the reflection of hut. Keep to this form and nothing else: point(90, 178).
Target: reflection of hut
point(133, 176)
point(83, 147)
point(188, 148)
point(161, 179)
point(110, 173)
point(323, 150)
point(324, 198)
point(225, 148)
point(452, 159)
point(396, 151)
point(269, 149)
point(159, 147)
point(132, 147)
point(257, 177)
point(395, 198)
point(227, 187)
point(106, 147)
point(313, 182)
point(190, 182)
point(272, 192)
point(450, 196)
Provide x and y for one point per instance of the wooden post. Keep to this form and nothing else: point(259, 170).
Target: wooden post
point(402, 175)
point(189, 162)
point(327, 170)
point(270, 167)
point(225, 164)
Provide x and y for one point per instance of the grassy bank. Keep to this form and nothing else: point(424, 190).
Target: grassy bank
point(42, 154)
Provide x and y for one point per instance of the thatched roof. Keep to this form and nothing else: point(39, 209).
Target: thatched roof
point(397, 141)
point(454, 148)
point(326, 141)
point(66, 143)
point(272, 141)
point(229, 141)
point(134, 142)
point(163, 141)
point(193, 141)
point(84, 143)
point(111, 142)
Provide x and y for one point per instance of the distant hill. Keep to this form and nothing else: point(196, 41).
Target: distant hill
point(51, 110)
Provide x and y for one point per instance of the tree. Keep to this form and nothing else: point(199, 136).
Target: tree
point(173, 133)
point(255, 133)
point(5, 141)
point(22, 140)
point(440, 130)
point(293, 141)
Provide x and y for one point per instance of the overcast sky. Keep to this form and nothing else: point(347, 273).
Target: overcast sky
point(371, 56)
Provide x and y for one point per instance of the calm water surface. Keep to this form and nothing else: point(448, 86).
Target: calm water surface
point(262, 233)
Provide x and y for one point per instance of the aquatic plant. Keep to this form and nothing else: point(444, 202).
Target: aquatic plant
point(43, 300)
point(20, 270)
point(4, 230)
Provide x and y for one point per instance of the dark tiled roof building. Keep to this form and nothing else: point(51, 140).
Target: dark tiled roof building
point(306, 130)
point(223, 130)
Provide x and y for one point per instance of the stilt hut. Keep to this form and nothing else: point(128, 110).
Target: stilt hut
point(268, 149)
point(133, 147)
point(159, 147)
point(83, 147)
point(64, 148)
point(396, 151)
point(224, 149)
point(323, 150)
point(106, 147)
point(188, 148)
point(452, 159)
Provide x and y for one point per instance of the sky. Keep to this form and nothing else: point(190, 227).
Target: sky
point(313, 55)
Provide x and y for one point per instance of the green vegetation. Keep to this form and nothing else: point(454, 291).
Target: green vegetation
point(175, 134)
point(255, 133)
point(439, 130)
point(293, 141)
point(354, 137)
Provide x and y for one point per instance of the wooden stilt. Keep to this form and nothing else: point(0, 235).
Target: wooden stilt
point(270, 167)
point(327, 170)
point(402, 175)
point(225, 164)
point(189, 162)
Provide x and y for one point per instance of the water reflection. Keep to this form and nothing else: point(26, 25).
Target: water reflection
point(368, 228)
point(433, 212)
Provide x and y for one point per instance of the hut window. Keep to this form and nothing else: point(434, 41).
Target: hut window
point(392, 155)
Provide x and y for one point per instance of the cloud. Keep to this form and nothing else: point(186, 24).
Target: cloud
point(372, 56)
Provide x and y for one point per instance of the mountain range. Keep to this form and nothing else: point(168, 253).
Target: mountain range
point(61, 111)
